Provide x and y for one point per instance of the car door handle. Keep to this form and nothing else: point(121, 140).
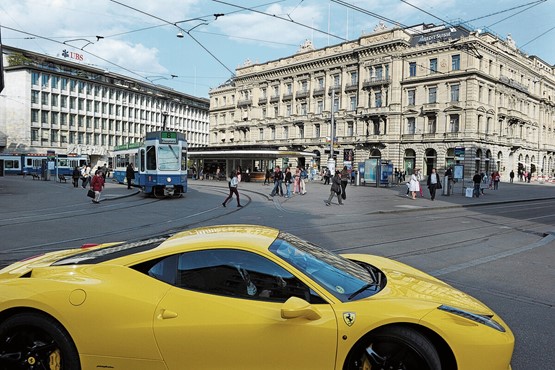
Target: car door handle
point(167, 314)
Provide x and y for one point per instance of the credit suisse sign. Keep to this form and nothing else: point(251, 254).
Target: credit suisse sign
point(444, 34)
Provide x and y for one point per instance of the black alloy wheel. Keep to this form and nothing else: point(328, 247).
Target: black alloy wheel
point(32, 341)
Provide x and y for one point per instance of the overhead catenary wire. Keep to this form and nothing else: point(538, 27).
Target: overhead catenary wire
point(182, 29)
point(289, 19)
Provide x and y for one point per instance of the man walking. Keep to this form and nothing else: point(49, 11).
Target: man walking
point(278, 179)
point(129, 175)
point(477, 179)
point(434, 183)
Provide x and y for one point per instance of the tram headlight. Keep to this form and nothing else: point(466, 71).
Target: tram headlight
point(169, 179)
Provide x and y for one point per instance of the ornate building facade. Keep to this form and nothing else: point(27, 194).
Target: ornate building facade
point(428, 96)
point(71, 108)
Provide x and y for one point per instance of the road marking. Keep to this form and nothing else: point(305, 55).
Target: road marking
point(480, 261)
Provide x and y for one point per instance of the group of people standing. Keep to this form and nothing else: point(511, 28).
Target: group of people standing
point(296, 180)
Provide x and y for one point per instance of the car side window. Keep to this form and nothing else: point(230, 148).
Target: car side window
point(239, 274)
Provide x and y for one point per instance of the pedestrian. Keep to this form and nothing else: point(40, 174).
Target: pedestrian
point(278, 180)
point(75, 175)
point(414, 184)
point(97, 184)
point(302, 181)
point(267, 176)
point(129, 175)
point(85, 175)
point(434, 183)
point(512, 176)
point(344, 181)
point(288, 181)
point(496, 178)
point(104, 170)
point(529, 176)
point(335, 189)
point(239, 174)
point(477, 179)
point(233, 183)
point(420, 178)
point(297, 181)
point(327, 175)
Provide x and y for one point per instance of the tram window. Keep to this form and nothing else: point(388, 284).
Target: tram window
point(183, 160)
point(168, 157)
point(150, 157)
point(62, 162)
point(142, 159)
point(11, 163)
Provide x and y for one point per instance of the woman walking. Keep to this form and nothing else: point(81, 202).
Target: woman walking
point(335, 189)
point(97, 183)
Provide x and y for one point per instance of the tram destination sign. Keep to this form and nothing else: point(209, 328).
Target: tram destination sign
point(167, 137)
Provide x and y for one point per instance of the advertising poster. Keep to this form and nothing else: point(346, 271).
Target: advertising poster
point(370, 170)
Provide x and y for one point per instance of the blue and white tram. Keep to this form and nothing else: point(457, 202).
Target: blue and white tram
point(34, 163)
point(160, 163)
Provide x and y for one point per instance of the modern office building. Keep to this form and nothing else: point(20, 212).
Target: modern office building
point(68, 107)
point(427, 96)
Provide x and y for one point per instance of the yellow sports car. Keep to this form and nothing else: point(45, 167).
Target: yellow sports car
point(238, 297)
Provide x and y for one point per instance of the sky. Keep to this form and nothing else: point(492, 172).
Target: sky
point(139, 38)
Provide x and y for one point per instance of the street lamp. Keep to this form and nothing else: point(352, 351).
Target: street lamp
point(331, 161)
point(165, 115)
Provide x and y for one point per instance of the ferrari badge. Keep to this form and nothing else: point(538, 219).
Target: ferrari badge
point(349, 318)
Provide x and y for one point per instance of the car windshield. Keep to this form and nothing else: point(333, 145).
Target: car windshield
point(343, 278)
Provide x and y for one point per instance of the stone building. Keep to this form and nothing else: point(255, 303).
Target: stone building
point(423, 97)
point(54, 104)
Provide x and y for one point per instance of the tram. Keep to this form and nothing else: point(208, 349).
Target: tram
point(160, 163)
point(28, 164)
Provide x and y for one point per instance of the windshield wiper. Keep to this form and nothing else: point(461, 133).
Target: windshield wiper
point(362, 289)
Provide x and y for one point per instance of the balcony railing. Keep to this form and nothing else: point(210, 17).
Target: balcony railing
point(318, 91)
point(301, 94)
point(371, 82)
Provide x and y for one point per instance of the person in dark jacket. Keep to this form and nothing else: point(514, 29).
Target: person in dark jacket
point(335, 189)
point(75, 175)
point(344, 181)
point(434, 183)
point(130, 175)
point(477, 179)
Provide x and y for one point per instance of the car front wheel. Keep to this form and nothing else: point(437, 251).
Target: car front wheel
point(398, 348)
point(34, 341)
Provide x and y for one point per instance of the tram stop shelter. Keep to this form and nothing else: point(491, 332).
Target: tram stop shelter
point(255, 161)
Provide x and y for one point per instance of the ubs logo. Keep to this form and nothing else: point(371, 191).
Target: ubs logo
point(72, 55)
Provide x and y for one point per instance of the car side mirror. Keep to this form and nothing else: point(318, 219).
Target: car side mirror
point(296, 307)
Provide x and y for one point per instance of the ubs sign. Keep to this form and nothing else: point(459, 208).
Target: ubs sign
point(72, 55)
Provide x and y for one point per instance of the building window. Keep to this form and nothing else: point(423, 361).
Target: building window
point(288, 110)
point(320, 82)
point(35, 77)
point(335, 104)
point(273, 133)
point(454, 123)
point(35, 134)
point(353, 102)
point(354, 78)
point(455, 92)
point(63, 84)
point(304, 85)
point(433, 65)
point(432, 95)
point(45, 79)
point(301, 131)
point(264, 113)
point(378, 99)
point(54, 136)
point(336, 81)
point(54, 101)
point(72, 85)
point(412, 69)
point(456, 62)
point(72, 102)
point(379, 73)
point(44, 117)
point(260, 134)
point(44, 98)
point(317, 130)
point(319, 106)
point(286, 132)
point(289, 88)
point(350, 129)
point(431, 124)
point(303, 109)
point(411, 96)
point(63, 119)
point(411, 125)
point(54, 118)
point(34, 97)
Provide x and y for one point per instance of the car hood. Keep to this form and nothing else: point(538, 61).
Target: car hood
point(405, 282)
